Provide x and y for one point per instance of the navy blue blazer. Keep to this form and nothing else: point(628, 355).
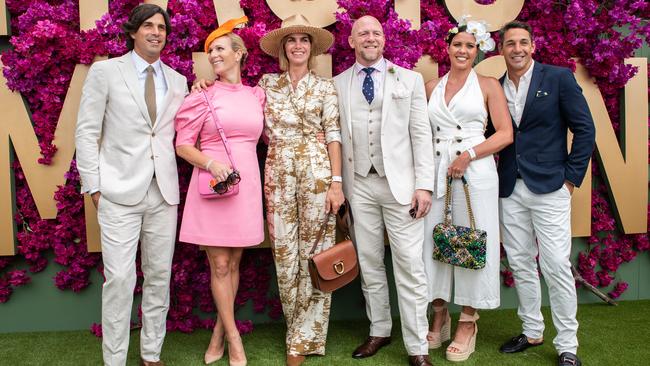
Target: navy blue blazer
point(539, 152)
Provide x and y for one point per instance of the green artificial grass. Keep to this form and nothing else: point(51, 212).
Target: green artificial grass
point(608, 336)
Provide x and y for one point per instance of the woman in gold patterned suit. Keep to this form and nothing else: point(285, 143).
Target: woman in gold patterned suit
point(302, 177)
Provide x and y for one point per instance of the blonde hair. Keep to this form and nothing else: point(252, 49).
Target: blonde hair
point(237, 43)
point(284, 61)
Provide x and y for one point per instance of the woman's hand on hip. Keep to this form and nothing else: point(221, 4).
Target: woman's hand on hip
point(459, 165)
point(334, 198)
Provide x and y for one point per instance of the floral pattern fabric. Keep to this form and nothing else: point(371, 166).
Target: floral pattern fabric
point(297, 177)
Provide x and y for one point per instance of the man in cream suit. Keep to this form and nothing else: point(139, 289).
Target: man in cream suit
point(387, 171)
point(126, 159)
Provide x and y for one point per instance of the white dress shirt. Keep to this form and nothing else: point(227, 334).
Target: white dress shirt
point(158, 78)
point(516, 96)
point(377, 75)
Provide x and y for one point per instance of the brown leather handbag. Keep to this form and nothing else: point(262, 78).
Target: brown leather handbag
point(337, 266)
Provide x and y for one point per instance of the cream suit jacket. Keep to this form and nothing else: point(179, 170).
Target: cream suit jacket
point(406, 140)
point(118, 146)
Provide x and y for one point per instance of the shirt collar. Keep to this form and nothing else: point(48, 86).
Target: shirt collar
point(379, 66)
point(526, 76)
point(141, 64)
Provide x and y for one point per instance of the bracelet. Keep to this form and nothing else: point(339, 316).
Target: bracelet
point(472, 153)
point(337, 178)
point(207, 165)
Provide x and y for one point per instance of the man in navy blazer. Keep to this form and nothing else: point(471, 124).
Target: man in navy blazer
point(536, 179)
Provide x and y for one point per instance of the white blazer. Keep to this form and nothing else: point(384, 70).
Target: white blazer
point(406, 137)
point(118, 148)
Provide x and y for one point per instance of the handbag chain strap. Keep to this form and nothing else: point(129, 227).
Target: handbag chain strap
point(224, 140)
point(472, 224)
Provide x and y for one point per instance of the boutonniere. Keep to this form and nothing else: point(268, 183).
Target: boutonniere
point(392, 69)
point(540, 94)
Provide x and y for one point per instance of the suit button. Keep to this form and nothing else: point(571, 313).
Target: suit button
point(518, 155)
point(350, 160)
point(438, 153)
point(371, 144)
point(151, 157)
point(372, 155)
point(370, 132)
point(437, 141)
point(458, 139)
point(458, 127)
point(437, 128)
point(153, 134)
point(457, 152)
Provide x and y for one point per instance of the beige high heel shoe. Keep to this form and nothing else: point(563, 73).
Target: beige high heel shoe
point(209, 358)
point(236, 363)
point(436, 339)
point(464, 350)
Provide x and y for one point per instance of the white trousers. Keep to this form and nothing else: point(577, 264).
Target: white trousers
point(374, 208)
point(547, 217)
point(152, 222)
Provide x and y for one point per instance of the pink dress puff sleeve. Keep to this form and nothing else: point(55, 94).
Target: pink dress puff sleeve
point(189, 119)
point(261, 96)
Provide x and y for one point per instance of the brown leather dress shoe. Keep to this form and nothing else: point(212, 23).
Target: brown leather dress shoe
point(419, 360)
point(295, 360)
point(370, 347)
point(151, 363)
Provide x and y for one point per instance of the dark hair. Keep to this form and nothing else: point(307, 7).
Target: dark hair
point(450, 36)
point(515, 24)
point(138, 15)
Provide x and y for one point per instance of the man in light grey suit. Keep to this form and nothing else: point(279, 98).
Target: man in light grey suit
point(126, 159)
point(387, 172)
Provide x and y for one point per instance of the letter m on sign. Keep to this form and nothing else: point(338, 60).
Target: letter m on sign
point(16, 131)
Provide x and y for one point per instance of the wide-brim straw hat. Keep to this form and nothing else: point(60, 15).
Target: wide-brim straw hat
point(321, 39)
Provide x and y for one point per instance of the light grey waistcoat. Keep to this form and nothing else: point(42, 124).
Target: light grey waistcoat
point(366, 132)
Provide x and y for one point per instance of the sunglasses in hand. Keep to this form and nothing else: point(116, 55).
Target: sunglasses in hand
point(223, 187)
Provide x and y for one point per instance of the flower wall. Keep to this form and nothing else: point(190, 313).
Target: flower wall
point(47, 44)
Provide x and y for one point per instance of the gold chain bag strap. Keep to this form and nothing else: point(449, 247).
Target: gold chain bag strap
point(336, 266)
point(459, 245)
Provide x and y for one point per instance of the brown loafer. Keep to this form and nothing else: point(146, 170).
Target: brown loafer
point(419, 360)
point(151, 363)
point(295, 360)
point(370, 347)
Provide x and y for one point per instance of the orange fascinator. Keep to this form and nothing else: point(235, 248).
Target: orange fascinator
point(224, 29)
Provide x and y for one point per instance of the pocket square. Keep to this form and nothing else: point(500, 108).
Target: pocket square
point(400, 93)
point(540, 93)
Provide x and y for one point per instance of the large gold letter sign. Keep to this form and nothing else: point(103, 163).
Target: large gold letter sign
point(42, 179)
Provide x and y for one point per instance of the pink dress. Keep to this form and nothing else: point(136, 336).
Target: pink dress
point(235, 221)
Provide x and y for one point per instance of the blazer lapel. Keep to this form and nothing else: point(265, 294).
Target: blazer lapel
point(390, 82)
point(127, 68)
point(535, 81)
point(168, 97)
point(348, 80)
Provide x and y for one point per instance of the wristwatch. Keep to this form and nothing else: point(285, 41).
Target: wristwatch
point(337, 178)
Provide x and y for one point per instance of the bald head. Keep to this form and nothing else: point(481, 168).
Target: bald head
point(367, 40)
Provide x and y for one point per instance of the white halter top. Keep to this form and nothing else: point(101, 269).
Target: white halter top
point(457, 126)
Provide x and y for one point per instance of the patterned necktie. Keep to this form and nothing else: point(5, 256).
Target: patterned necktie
point(368, 84)
point(150, 94)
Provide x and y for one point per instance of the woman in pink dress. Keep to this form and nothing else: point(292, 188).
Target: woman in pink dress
point(224, 226)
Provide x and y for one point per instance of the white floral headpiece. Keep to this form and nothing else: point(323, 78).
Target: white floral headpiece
point(478, 28)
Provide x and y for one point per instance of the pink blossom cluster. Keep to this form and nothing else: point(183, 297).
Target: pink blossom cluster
point(47, 44)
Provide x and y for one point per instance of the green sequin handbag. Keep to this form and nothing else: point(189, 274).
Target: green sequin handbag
point(459, 245)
